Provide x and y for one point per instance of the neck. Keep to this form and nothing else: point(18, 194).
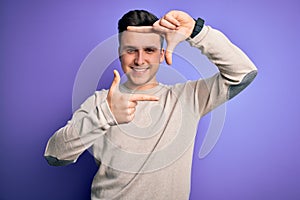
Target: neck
point(146, 86)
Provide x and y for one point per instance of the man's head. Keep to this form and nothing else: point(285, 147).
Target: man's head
point(140, 53)
point(137, 18)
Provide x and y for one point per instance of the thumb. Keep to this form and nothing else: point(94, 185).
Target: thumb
point(169, 51)
point(173, 39)
point(116, 81)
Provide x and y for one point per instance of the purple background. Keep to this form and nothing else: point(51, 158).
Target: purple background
point(43, 44)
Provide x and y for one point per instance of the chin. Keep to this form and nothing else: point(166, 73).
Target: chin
point(139, 84)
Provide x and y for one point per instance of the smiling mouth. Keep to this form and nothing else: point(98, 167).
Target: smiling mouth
point(140, 69)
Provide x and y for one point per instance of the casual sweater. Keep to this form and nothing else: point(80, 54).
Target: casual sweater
point(151, 156)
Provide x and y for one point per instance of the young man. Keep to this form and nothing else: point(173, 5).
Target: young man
point(141, 132)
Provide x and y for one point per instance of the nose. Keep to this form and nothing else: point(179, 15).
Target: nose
point(139, 58)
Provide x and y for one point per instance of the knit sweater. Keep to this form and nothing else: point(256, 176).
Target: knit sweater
point(151, 157)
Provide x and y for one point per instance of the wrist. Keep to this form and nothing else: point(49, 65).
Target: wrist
point(199, 23)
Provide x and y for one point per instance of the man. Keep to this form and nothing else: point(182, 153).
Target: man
point(141, 132)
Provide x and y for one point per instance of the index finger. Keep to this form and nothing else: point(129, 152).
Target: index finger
point(143, 97)
point(141, 29)
point(156, 28)
point(171, 19)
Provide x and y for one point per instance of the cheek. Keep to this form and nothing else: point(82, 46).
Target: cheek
point(125, 60)
point(157, 59)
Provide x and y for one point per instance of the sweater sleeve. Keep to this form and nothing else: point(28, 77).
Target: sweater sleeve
point(236, 70)
point(88, 123)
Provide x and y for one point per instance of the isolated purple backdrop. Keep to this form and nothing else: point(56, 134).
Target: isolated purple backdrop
point(43, 44)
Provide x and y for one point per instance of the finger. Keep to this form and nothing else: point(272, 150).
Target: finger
point(171, 19)
point(141, 29)
point(160, 29)
point(156, 28)
point(167, 24)
point(130, 117)
point(131, 111)
point(143, 97)
point(132, 104)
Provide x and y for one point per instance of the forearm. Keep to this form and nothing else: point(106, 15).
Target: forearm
point(236, 69)
point(88, 123)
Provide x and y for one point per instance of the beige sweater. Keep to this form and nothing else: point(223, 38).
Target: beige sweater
point(151, 157)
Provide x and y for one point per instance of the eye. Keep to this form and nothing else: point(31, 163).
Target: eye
point(150, 50)
point(130, 50)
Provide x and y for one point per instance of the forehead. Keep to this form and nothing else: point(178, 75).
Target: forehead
point(129, 38)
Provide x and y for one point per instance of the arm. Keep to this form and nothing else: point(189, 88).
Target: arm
point(89, 122)
point(95, 116)
point(236, 71)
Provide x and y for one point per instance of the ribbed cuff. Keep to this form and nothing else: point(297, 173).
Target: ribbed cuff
point(108, 114)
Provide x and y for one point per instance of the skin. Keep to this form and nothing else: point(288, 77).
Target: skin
point(140, 55)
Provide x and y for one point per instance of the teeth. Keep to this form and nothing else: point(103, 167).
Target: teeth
point(140, 69)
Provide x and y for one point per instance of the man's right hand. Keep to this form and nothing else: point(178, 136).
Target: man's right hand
point(123, 105)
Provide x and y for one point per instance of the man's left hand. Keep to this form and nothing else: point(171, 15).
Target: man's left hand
point(176, 26)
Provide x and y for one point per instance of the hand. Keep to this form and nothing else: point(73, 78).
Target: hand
point(176, 26)
point(123, 105)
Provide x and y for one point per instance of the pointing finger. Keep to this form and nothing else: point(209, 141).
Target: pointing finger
point(143, 97)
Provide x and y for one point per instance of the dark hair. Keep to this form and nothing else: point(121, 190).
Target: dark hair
point(137, 18)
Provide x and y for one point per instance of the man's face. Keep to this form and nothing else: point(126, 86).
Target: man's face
point(140, 56)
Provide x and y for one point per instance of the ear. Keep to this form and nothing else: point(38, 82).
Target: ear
point(162, 55)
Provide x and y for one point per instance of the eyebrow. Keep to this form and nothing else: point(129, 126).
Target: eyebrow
point(145, 47)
